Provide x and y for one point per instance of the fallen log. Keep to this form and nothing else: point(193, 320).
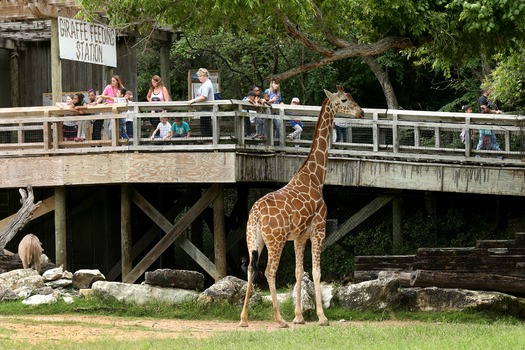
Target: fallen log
point(467, 280)
point(404, 277)
point(21, 218)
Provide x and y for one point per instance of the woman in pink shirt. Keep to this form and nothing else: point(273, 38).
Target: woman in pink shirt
point(110, 91)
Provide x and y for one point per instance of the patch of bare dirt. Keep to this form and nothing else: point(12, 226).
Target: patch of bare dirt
point(35, 329)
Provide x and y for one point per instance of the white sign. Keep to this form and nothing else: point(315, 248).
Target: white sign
point(87, 42)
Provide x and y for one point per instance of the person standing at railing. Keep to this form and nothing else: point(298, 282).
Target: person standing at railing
point(275, 97)
point(108, 95)
point(69, 128)
point(97, 123)
point(204, 94)
point(157, 93)
point(296, 124)
point(487, 107)
point(487, 137)
point(463, 135)
point(121, 93)
point(130, 118)
point(258, 121)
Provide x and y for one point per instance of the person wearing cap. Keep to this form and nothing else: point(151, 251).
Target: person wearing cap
point(296, 124)
point(204, 94)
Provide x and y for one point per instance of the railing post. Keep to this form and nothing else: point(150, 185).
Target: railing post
point(375, 132)
point(468, 140)
point(215, 129)
point(395, 135)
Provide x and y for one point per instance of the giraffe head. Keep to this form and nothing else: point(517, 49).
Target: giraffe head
point(344, 103)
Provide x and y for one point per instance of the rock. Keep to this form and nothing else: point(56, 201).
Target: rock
point(23, 292)
point(281, 297)
point(44, 290)
point(7, 294)
point(175, 279)
point(229, 288)
point(68, 299)
point(85, 292)
point(453, 299)
point(376, 295)
point(53, 274)
point(141, 294)
point(22, 277)
point(85, 278)
point(39, 300)
point(307, 294)
point(61, 283)
point(67, 275)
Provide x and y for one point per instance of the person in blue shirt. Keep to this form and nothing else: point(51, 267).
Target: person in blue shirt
point(179, 128)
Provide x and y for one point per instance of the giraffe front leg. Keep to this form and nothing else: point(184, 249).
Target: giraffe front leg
point(299, 273)
point(316, 274)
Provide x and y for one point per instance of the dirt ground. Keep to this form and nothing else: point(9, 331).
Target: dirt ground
point(35, 329)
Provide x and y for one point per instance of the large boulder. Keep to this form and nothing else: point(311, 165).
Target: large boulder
point(141, 294)
point(308, 294)
point(19, 278)
point(454, 299)
point(83, 279)
point(376, 295)
point(229, 288)
point(184, 279)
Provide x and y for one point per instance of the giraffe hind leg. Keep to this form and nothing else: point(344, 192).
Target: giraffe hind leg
point(252, 271)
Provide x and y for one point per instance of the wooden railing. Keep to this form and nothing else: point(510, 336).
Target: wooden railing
point(385, 134)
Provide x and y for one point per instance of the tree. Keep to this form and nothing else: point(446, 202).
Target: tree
point(446, 35)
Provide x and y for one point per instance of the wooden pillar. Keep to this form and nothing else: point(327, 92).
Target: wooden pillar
point(219, 234)
point(397, 214)
point(15, 78)
point(125, 230)
point(60, 227)
point(165, 69)
point(56, 64)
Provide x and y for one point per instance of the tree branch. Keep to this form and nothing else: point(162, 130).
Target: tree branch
point(293, 30)
point(362, 50)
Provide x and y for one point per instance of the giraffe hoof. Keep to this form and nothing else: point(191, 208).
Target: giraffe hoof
point(283, 325)
point(299, 321)
point(323, 323)
point(243, 324)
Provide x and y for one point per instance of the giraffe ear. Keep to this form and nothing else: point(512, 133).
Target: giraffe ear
point(328, 93)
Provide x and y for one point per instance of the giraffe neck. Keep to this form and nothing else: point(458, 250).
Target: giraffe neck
point(315, 164)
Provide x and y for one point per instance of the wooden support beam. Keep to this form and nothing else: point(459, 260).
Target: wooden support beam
point(45, 207)
point(56, 63)
point(219, 234)
point(358, 218)
point(182, 241)
point(125, 229)
point(60, 227)
point(397, 231)
point(173, 234)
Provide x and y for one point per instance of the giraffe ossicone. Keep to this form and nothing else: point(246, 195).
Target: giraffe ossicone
point(296, 212)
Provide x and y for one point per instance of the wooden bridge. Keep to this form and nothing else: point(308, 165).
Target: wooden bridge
point(388, 149)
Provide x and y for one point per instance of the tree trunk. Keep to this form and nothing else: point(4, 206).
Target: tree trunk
point(21, 218)
point(466, 280)
point(384, 81)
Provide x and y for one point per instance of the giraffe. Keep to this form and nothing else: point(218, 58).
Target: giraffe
point(296, 212)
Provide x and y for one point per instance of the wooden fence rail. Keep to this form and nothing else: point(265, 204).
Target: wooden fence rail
point(384, 134)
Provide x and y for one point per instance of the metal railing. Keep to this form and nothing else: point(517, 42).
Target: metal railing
point(229, 125)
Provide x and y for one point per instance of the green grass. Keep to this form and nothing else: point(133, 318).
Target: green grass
point(423, 330)
point(228, 312)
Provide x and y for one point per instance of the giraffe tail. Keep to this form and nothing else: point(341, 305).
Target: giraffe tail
point(255, 264)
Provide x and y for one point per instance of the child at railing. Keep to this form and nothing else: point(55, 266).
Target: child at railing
point(463, 135)
point(296, 124)
point(163, 128)
point(122, 121)
point(179, 128)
